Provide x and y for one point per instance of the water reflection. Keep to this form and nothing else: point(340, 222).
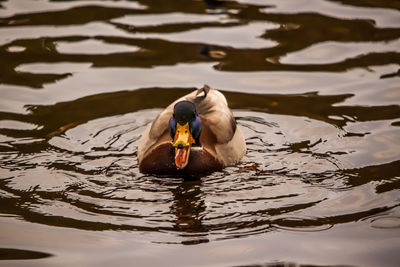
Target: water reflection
point(189, 209)
point(19, 254)
point(313, 86)
point(271, 52)
point(289, 264)
point(56, 119)
point(297, 154)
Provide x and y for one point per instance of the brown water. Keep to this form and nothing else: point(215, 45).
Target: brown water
point(313, 84)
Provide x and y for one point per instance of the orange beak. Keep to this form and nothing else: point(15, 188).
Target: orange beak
point(183, 141)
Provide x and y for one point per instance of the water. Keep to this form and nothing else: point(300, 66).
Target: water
point(314, 85)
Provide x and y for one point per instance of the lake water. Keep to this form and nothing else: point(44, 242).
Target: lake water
point(314, 85)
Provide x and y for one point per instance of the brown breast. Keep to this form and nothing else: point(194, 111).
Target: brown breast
point(161, 161)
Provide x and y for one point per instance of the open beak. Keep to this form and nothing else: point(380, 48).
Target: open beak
point(182, 142)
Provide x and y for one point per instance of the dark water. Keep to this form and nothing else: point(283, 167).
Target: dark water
point(314, 85)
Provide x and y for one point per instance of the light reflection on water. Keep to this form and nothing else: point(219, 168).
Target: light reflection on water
point(81, 80)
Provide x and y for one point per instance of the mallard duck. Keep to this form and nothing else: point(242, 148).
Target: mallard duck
point(195, 135)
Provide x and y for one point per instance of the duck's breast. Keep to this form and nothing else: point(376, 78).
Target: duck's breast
point(161, 161)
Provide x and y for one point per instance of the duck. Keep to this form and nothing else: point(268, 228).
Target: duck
point(195, 135)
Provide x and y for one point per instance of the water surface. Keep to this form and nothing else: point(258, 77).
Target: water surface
point(314, 85)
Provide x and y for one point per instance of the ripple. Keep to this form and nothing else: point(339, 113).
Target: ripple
point(301, 224)
point(243, 36)
point(313, 87)
point(168, 18)
point(20, 254)
point(10, 124)
point(56, 68)
point(383, 17)
point(14, 8)
point(322, 53)
point(91, 176)
point(386, 222)
point(93, 47)
point(8, 34)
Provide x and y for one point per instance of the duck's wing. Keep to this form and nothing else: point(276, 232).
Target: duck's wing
point(154, 134)
point(220, 132)
point(215, 114)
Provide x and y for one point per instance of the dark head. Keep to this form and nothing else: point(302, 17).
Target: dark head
point(185, 129)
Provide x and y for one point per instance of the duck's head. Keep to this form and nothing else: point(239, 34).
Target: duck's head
point(185, 129)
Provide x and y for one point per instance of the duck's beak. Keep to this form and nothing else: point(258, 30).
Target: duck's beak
point(182, 142)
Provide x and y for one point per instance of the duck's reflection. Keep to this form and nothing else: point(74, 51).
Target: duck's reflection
point(189, 208)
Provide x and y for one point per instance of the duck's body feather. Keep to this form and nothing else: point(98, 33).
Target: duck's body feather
point(222, 141)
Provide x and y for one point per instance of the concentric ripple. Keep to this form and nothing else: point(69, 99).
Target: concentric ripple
point(287, 181)
point(313, 84)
